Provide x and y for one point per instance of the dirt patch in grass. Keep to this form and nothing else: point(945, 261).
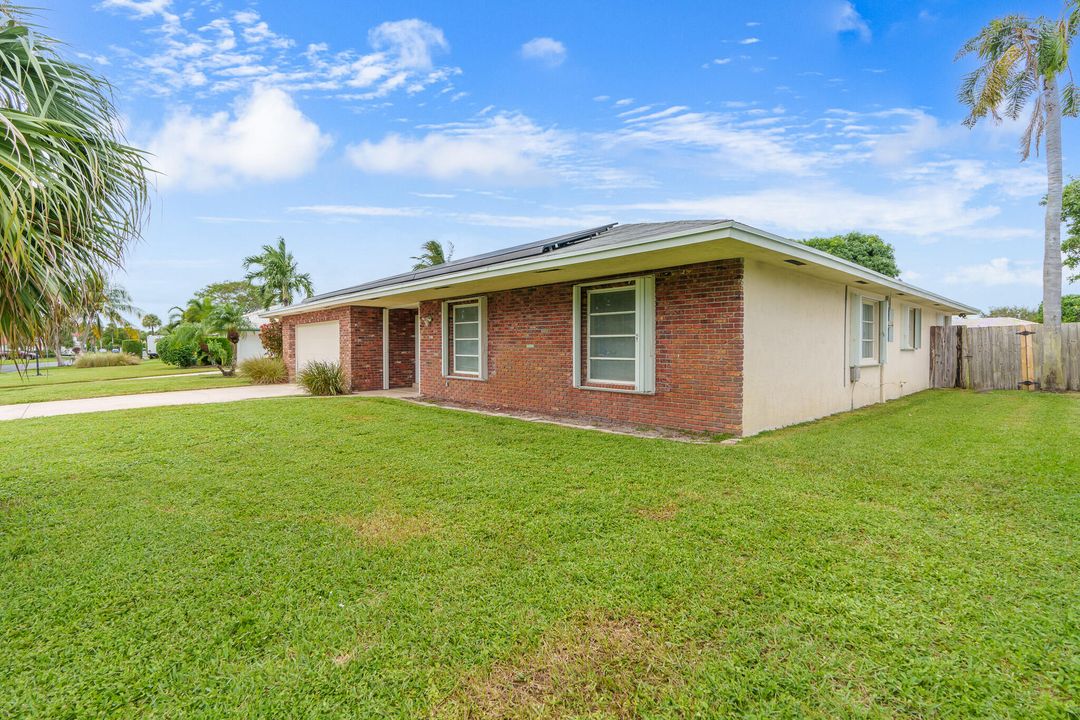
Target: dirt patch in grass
point(599, 665)
point(575, 421)
point(384, 527)
point(661, 513)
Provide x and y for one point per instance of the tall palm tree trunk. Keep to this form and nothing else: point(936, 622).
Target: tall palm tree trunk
point(1053, 371)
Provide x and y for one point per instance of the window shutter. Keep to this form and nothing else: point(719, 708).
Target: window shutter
point(905, 331)
point(854, 329)
point(885, 312)
point(646, 334)
point(577, 336)
point(483, 337)
point(917, 340)
point(445, 339)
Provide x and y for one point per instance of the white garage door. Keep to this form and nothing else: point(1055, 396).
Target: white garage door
point(317, 341)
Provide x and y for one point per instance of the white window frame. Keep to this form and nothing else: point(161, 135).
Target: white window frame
point(449, 367)
point(644, 288)
point(875, 353)
point(589, 334)
point(912, 329)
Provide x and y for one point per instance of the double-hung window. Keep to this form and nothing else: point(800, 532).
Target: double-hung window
point(868, 337)
point(912, 332)
point(613, 338)
point(614, 335)
point(465, 338)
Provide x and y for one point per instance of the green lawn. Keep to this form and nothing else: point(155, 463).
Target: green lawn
point(69, 383)
point(354, 557)
point(69, 374)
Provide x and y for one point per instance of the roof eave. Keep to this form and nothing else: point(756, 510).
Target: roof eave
point(721, 230)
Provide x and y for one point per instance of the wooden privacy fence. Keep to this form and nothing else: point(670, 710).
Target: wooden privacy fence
point(998, 358)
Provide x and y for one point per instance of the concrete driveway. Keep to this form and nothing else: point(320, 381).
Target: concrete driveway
point(145, 400)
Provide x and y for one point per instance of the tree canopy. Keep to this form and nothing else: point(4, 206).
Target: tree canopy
point(241, 293)
point(1015, 311)
point(1070, 309)
point(863, 248)
point(1070, 215)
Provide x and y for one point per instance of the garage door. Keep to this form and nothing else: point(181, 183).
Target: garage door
point(317, 341)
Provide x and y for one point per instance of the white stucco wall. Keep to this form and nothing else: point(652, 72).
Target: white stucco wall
point(249, 347)
point(796, 347)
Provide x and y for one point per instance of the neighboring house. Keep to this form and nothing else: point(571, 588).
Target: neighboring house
point(991, 321)
point(250, 346)
point(709, 325)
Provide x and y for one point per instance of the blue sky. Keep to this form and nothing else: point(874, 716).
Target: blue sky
point(359, 130)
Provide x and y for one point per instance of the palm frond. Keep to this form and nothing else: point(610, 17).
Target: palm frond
point(72, 195)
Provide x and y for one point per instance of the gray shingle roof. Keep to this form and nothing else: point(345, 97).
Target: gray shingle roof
point(602, 236)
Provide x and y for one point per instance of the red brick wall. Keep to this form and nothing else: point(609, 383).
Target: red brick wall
point(699, 352)
point(360, 333)
point(402, 348)
point(366, 329)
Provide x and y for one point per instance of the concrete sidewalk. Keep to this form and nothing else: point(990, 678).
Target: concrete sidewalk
point(145, 400)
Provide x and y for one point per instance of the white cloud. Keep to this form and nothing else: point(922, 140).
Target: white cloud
point(545, 50)
point(925, 211)
point(230, 53)
point(749, 41)
point(410, 42)
point(141, 8)
point(359, 211)
point(846, 19)
point(350, 212)
point(753, 149)
point(999, 271)
point(721, 61)
point(507, 145)
point(265, 138)
point(257, 31)
point(924, 132)
point(532, 221)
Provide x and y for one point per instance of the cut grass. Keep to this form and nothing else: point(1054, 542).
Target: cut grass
point(122, 386)
point(68, 374)
point(915, 559)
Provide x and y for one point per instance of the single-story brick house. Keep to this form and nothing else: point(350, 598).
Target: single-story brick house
point(709, 326)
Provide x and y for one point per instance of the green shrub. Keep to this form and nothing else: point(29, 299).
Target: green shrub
point(322, 378)
point(220, 351)
point(132, 347)
point(270, 336)
point(264, 371)
point(174, 351)
point(105, 359)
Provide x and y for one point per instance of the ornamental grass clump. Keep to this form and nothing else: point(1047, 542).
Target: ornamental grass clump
point(105, 359)
point(322, 378)
point(264, 371)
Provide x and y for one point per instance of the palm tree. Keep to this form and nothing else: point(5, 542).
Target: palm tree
point(151, 322)
point(73, 196)
point(104, 301)
point(432, 254)
point(1022, 59)
point(196, 310)
point(230, 320)
point(276, 276)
